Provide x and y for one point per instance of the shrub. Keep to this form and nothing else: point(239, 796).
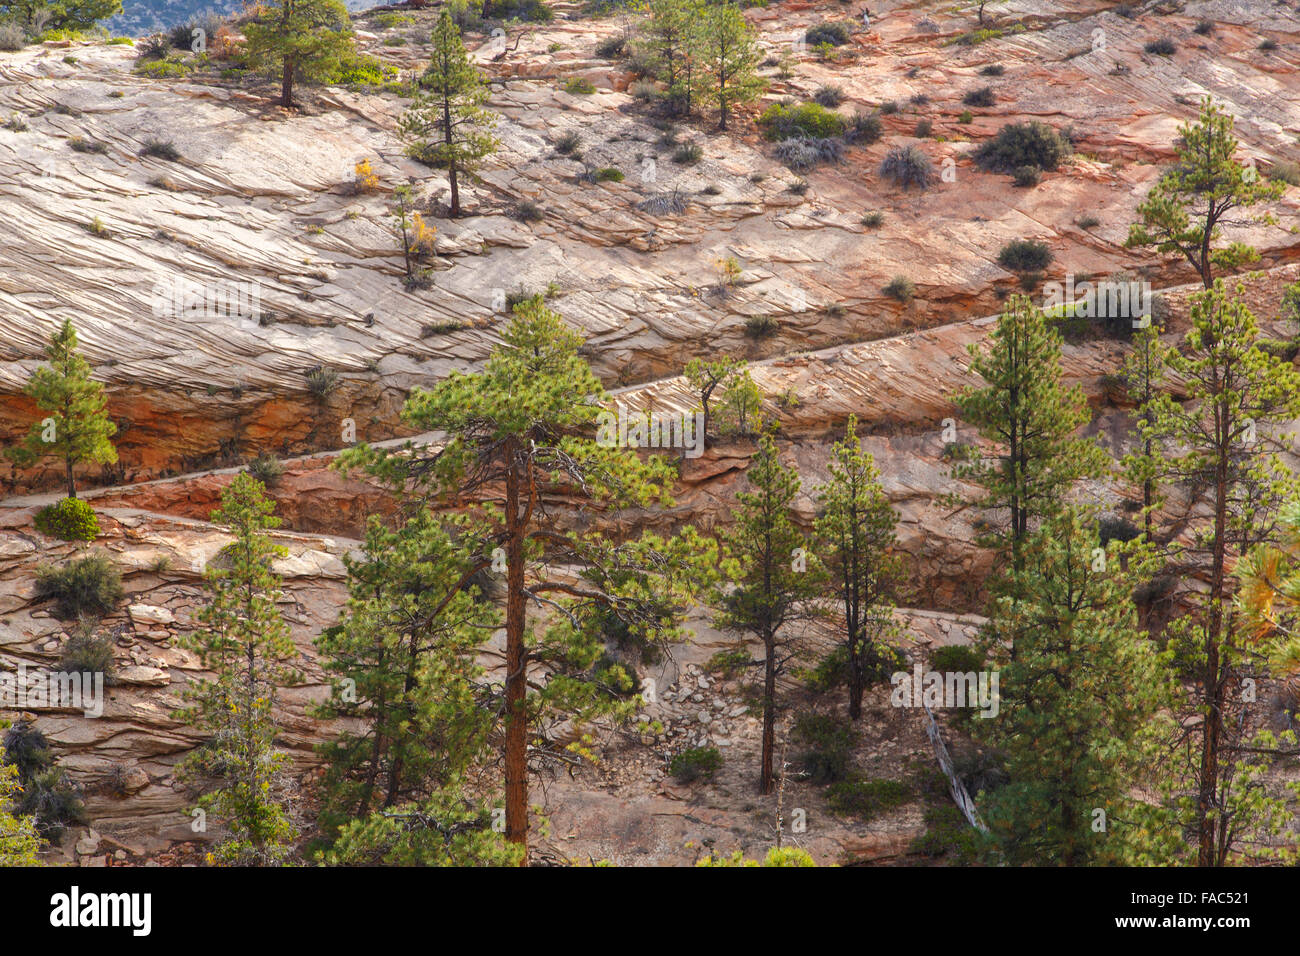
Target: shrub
point(154, 47)
point(698, 763)
point(1023, 144)
point(956, 659)
point(80, 144)
point(982, 97)
point(1269, 44)
point(612, 47)
point(900, 288)
point(829, 96)
point(1027, 175)
point(966, 116)
point(266, 468)
point(783, 121)
point(535, 11)
point(96, 227)
point(888, 108)
point(836, 34)
point(568, 143)
point(1161, 47)
point(804, 153)
point(688, 154)
point(579, 86)
point(162, 149)
point(993, 69)
point(17, 123)
point(163, 69)
point(799, 186)
point(867, 798)
point(761, 326)
point(1285, 171)
point(946, 831)
point(873, 219)
point(69, 520)
point(923, 129)
point(864, 128)
point(907, 166)
point(1089, 222)
point(529, 211)
point(609, 174)
point(88, 586)
point(90, 652)
point(643, 90)
point(1025, 255)
point(827, 747)
point(12, 36)
point(322, 380)
point(1204, 27)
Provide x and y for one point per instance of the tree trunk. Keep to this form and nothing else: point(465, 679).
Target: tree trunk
point(769, 714)
point(451, 159)
point(72, 484)
point(516, 668)
point(286, 83)
point(856, 686)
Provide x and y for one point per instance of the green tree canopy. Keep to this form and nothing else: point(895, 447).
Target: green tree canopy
point(296, 40)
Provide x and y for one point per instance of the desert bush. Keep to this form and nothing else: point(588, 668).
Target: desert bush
point(663, 204)
point(1025, 255)
point(1285, 171)
point(322, 380)
point(688, 154)
point(71, 519)
point(1023, 144)
point(900, 288)
point(611, 48)
point(567, 143)
point(836, 34)
point(965, 116)
point(784, 121)
point(993, 69)
point(923, 129)
point(155, 47)
point(1268, 44)
point(827, 747)
point(12, 36)
point(865, 128)
point(865, 799)
point(829, 96)
point(609, 174)
point(698, 763)
point(529, 211)
point(161, 149)
point(1089, 222)
point(579, 86)
point(873, 219)
point(266, 468)
point(643, 90)
point(89, 586)
point(956, 659)
point(761, 326)
point(1026, 175)
point(982, 97)
point(17, 123)
point(89, 651)
point(907, 166)
point(805, 153)
point(888, 108)
point(80, 144)
point(1204, 27)
point(1161, 47)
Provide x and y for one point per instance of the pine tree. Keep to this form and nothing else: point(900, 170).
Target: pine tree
point(299, 40)
point(446, 125)
point(707, 378)
point(20, 842)
point(403, 665)
point(775, 579)
point(855, 532)
point(77, 428)
point(670, 45)
point(1078, 720)
point(729, 56)
point(521, 444)
point(1144, 372)
point(1238, 398)
point(1030, 418)
point(1185, 210)
point(243, 642)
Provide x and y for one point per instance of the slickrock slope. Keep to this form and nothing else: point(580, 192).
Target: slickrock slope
point(263, 197)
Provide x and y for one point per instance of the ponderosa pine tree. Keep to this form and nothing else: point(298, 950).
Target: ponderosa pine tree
point(855, 534)
point(299, 40)
point(77, 427)
point(670, 45)
point(728, 56)
point(244, 642)
point(706, 377)
point(520, 451)
point(773, 579)
point(446, 125)
point(1030, 418)
point(402, 662)
point(1143, 372)
point(1239, 399)
point(1185, 210)
point(1078, 723)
